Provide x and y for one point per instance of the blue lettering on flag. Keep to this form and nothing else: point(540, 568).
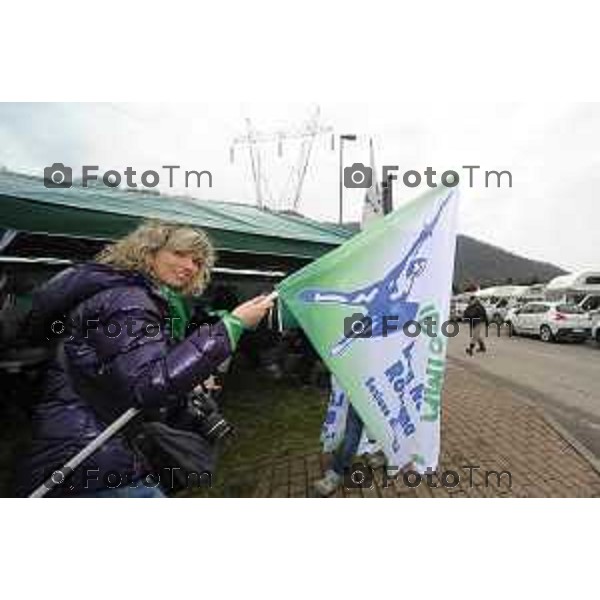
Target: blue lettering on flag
point(331, 416)
point(400, 374)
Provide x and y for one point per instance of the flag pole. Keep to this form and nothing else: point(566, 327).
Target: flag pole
point(72, 464)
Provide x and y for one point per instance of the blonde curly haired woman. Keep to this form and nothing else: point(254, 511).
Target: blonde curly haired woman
point(131, 346)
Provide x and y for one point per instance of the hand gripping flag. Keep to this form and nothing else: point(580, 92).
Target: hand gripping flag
point(375, 309)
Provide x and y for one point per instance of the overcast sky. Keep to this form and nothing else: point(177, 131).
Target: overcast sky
point(549, 214)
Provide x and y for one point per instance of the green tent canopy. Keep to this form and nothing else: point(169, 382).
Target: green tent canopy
point(104, 214)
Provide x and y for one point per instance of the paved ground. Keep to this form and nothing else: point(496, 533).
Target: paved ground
point(494, 428)
point(562, 378)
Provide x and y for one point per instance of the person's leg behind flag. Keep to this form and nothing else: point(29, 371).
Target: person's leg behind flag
point(343, 456)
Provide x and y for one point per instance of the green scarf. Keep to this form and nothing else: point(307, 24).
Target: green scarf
point(179, 311)
point(180, 315)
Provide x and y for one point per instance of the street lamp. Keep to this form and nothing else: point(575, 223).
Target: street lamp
point(350, 138)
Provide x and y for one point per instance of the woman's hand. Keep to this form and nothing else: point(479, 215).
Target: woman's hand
point(253, 311)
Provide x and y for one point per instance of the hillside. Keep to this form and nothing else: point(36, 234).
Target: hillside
point(478, 263)
point(484, 264)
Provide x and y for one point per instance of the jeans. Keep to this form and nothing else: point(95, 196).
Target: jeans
point(343, 456)
point(126, 491)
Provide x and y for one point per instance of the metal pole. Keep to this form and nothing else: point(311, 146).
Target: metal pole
point(387, 198)
point(341, 181)
point(70, 466)
point(352, 138)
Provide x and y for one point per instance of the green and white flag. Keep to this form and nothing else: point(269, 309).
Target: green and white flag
point(374, 308)
point(334, 425)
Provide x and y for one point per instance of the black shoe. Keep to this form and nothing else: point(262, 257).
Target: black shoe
point(469, 351)
point(483, 349)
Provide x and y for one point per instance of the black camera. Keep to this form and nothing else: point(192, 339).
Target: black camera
point(358, 326)
point(207, 417)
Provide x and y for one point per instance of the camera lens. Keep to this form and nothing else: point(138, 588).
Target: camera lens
point(209, 421)
point(219, 429)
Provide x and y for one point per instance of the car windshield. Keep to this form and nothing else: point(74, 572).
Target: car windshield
point(569, 309)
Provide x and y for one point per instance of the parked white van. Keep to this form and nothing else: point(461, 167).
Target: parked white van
point(581, 288)
point(574, 287)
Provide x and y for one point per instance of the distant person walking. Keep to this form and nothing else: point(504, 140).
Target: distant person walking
point(478, 321)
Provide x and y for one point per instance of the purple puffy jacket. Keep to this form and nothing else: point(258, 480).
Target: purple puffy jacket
point(116, 372)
